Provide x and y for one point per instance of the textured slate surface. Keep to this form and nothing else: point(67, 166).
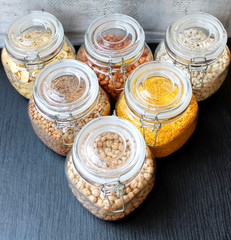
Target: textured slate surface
point(191, 198)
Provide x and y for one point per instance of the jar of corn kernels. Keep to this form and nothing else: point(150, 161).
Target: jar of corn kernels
point(31, 42)
point(66, 97)
point(158, 100)
point(197, 44)
point(109, 169)
point(113, 47)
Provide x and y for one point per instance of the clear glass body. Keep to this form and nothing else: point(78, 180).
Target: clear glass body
point(114, 46)
point(60, 138)
point(158, 100)
point(196, 43)
point(212, 78)
point(93, 199)
point(171, 136)
point(22, 77)
point(105, 79)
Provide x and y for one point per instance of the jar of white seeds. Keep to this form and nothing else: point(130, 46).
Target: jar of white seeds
point(31, 42)
point(109, 169)
point(197, 44)
point(66, 97)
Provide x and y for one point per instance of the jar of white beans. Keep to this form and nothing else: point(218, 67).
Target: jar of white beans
point(197, 44)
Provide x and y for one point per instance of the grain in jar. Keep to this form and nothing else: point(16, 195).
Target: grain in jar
point(158, 100)
point(197, 44)
point(31, 42)
point(66, 97)
point(110, 170)
point(114, 46)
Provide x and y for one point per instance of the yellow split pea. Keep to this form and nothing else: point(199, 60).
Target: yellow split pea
point(172, 134)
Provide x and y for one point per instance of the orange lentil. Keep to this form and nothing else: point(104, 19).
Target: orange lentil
point(172, 135)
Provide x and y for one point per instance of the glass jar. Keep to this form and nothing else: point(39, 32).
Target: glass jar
point(197, 44)
point(110, 170)
point(31, 42)
point(113, 47)
point(158, 100)
point(66, 96)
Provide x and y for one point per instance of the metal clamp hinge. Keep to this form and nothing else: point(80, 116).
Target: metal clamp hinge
point(109, 189)
point(122, 70)
point(155, 127)
point(61, 124)
point(202, 69)
point(27, 64)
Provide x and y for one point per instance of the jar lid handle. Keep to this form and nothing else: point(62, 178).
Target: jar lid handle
point(202, 69)
point(114, 187)
point(69, 123)
point(155, 127)
point(122, 70)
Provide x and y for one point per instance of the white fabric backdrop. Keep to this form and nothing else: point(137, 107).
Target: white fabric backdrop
point(76, 15)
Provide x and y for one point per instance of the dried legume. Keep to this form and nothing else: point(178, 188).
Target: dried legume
point(215, 73)
point(60, 138)
point(93, 198)
point(172, 134)
point(102, 72)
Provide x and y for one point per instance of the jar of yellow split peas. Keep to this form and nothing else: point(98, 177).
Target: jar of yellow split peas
point(33, 41)
point(158, 100)
point(114, 46)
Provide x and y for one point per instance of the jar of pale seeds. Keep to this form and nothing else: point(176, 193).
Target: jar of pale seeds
point(109, 169)
point(66, 97)
point(31, 42)
point(114, 46)
point(197, 44)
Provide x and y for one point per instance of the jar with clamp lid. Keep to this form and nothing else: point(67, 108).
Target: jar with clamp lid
point(31, 42)
point(109, 169)
point(197, 44)
point(158, 100)
point(113, 47)
point(66, 97)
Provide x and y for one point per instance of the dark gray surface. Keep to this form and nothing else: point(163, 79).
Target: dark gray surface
point(191, 198)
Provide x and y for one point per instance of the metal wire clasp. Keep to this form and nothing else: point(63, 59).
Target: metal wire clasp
point(122, 69)
point(39, 65)
point(114, 187)
point(61, 124)
point(202, 69)
point(155, 127)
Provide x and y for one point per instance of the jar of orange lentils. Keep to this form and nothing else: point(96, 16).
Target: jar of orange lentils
point(158, 100)
point(113, 47)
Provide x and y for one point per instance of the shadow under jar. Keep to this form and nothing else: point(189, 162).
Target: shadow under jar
point(31, 42)
point(110, 170)
point(158, 101)
point(66, 97)
point(197, 44)
point(113, 47)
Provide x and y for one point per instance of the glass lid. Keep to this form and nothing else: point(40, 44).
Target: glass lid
point(158, 89)
point(109, 149)
point(37, 33)
point(114, 38)
point(195, 38)
point(64, 88)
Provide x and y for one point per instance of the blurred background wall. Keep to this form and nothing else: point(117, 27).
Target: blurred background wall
point(76, 15)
